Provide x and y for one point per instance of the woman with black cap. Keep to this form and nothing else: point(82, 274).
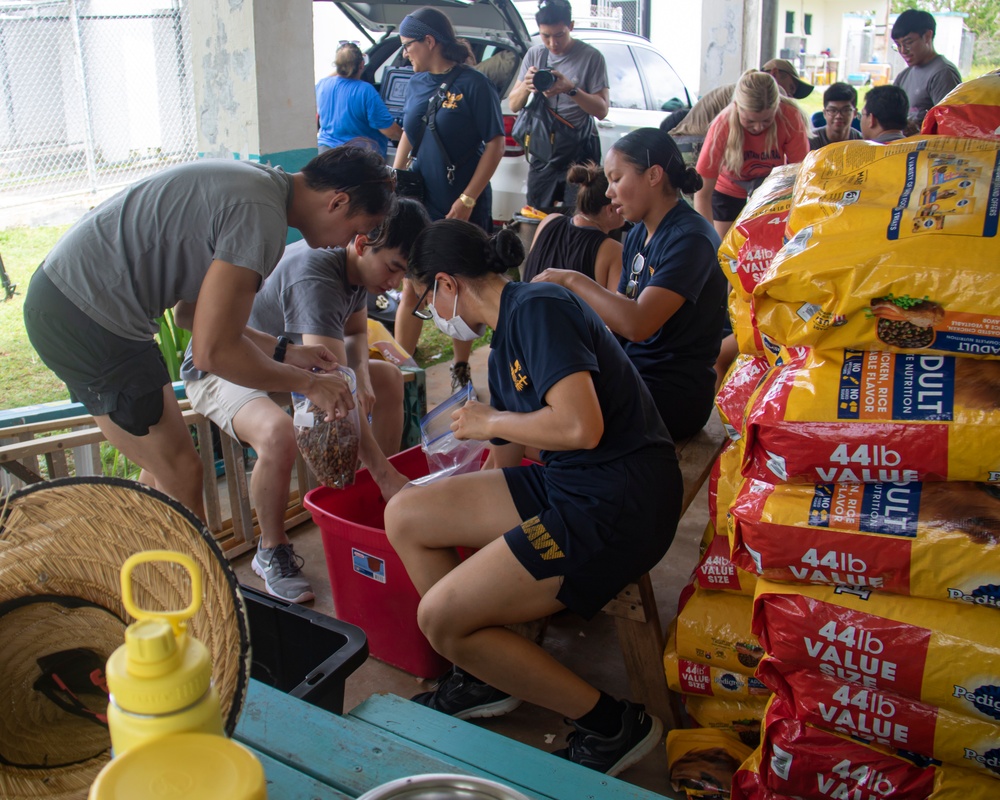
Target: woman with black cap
point(457, 164)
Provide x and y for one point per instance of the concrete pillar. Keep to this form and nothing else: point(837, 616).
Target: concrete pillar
point(723, 37)
point(253, 80)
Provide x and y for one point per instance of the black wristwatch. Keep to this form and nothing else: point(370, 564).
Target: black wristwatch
point(572, 92)
point(282, 346)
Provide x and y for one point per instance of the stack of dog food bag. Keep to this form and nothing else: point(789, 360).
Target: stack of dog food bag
point(866, 496)
point(711, 652)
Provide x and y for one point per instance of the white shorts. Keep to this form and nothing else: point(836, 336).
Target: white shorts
point(219, 400)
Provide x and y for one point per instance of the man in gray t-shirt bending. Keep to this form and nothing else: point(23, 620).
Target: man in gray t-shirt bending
point(928, 76)
point(315, 297)
point(579, 93)
point(200, 238)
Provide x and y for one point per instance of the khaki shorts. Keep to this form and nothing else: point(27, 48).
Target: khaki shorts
point(219, 400)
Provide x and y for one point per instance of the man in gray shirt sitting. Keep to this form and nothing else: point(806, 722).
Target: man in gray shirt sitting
point(315, 297)
point(883, 116)
point(578, 93)
point(928, 77)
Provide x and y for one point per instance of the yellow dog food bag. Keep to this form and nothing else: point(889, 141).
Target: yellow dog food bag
point(971, 109)
point(714, 628)
point(943, 654)
point(803, 760)
point(737, 717)
point(758, 232)
point(695, 677)
point(748, 338)
point(895, 248)
point(934, 540)
point(886, 718)
point(848, 416)
point(702, 762)
point(724, 482)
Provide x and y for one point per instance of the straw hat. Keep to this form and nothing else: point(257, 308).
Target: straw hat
point(62, 544)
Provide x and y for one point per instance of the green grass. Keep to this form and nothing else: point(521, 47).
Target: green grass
point(24, 379)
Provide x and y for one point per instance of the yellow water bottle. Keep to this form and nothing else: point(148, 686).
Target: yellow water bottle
point(160, 680)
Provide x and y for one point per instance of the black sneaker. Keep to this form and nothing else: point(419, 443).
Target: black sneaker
point(461, 375)
point(464, 697)
point(613, 754)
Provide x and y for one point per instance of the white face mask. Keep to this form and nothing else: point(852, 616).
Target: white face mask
point(456, 327)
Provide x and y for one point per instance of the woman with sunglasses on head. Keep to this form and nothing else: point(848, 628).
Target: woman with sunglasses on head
point(470, 131)
point(759, 130)
point(669, 310)
point(571, 532)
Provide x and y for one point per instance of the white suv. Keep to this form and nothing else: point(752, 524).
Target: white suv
point(643, 86)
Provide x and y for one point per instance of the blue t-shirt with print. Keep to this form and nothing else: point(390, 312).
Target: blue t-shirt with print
point(467, 118)
point(545, 333)
point(349, 108)
point(681, 257)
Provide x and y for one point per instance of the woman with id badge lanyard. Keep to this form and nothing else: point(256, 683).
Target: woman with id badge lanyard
point(670, 307)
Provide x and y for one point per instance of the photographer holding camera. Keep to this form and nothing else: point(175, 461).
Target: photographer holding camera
point(572, 78)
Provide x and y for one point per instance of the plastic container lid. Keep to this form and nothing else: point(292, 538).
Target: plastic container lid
point(185, 766)
point(442, 786)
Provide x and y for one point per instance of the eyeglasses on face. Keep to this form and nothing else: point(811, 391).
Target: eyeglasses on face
point(834, 111)
point(421, 311)
point(632, 287)
point(907, 43)
point(407, 45)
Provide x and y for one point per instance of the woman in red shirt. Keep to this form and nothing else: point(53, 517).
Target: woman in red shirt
point(761, 129)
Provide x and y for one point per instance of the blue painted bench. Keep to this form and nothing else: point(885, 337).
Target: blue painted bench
point(310, 753)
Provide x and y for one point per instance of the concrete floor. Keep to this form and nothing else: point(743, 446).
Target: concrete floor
point(589, 648)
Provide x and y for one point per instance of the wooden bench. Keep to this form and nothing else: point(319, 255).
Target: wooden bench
point(640, 632)
point(311, 753)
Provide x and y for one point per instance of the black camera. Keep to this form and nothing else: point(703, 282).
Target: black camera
point(544, 80)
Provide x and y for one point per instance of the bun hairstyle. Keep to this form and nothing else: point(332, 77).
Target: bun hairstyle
point(436, 24)
point(470, 252)
point(349, 59)
point(645, 147)
point(593, 183)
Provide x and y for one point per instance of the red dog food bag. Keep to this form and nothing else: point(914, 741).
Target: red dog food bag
point(694, 677)
point(894, 249)
point(815, 764)
point(934, 540)
point(737, 388)
point(943, 654)
point(970, 110)
point(850, 416)
point(748, 783)
point(714, 628)
point(886, 718)
point(758, 232)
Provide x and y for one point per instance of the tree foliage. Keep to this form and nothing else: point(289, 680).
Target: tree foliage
point(983, 16)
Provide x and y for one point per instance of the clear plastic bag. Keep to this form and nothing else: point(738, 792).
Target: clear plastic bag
point(446, 455)
point(330, 448)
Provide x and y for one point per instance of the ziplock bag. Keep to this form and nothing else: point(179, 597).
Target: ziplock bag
point(446, 455)
point(329, 447)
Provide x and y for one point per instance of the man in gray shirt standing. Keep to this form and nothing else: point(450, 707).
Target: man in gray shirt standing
point(579, 93)
point(199, 238)
point(928, 77)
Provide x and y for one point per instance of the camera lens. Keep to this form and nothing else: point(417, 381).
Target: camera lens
point(544, 80)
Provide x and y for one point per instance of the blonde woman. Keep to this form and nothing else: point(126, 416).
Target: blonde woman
point(350, 108)
point(759, 130)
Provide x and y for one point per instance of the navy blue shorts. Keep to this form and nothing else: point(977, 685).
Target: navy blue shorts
point(120, 378)
point(598, 527)
point(725, 207)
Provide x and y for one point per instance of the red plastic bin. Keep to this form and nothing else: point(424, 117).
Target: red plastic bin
point(370, 586)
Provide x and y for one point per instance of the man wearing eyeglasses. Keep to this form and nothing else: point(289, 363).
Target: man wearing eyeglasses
point(928, 76)
point(839, 105)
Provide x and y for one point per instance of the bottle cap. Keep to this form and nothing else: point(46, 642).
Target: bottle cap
point(183, 766)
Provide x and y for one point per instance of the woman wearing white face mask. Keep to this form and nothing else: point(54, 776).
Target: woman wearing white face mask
point(568, 533)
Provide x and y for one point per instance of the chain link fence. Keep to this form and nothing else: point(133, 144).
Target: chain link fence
point(91, 100)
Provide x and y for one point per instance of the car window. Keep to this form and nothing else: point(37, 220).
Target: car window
point(664, 85)
point(624, 84)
